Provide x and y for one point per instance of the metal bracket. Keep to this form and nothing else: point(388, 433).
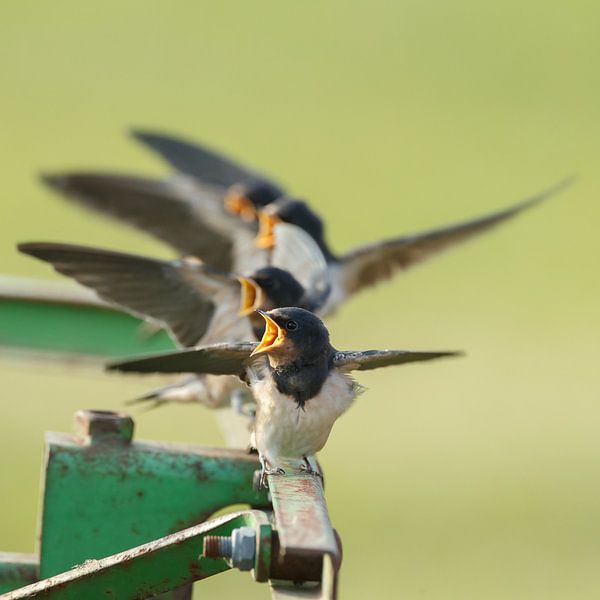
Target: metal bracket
point(104, 494)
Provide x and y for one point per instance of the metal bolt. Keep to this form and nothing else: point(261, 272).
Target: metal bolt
point(239, 547)
point(97, 426)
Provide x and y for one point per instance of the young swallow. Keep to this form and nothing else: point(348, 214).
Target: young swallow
point(194, 302)
point(300, 382)
point(200, 162)
point(368, 265)
point(192, 213)
point(209, 210)
point(243, 190)
point(189, 217)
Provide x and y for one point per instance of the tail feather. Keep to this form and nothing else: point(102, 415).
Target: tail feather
point(188, 391)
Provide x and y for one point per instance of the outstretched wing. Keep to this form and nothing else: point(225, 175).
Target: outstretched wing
point(196, 160)
point(187, 217)
point(374, 359)
point(296, 251)
point(368, 265)
point(177, 294)
point(218, 359)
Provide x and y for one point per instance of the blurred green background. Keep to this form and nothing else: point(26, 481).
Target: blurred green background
point(473, 478)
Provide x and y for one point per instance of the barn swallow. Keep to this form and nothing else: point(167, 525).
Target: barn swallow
point(300, 382)
point(198, 161)
point(194, 302)
point(367, 265)
point(187, 216)
point(192, 213)
point(242, 189)
point(208, 210)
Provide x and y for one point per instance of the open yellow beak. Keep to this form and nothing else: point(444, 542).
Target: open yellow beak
point(240, 205)
point(252, 296)
point(266, 224)
point(273, 337)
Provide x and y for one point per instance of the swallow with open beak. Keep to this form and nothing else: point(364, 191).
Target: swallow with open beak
point(367, 265)
point(189, 217)
point(300, 382)
point(244, 191)
point(192, 213)
point(193, 302)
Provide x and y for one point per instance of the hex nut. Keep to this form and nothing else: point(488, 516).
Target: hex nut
point(243, 550)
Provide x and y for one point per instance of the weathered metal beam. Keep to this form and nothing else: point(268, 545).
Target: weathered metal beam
point(304, 533)
point(175, 561)
point(300, 512)
point(154, 568)
point(104, 493)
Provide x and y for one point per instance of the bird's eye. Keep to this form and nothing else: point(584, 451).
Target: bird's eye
point(291, 325)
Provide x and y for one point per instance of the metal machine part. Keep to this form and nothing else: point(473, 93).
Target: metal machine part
point(132, 516)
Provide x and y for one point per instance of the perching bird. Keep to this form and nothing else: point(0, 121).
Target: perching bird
point(300, 389)
point(194, 302)
point(208, 211)
point(243, 190)
point(365, 266)
point(188, 216)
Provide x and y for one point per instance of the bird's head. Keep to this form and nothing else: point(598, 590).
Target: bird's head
point(288, 210)
point(293, 335)
point(269, 288)
point(246, 199)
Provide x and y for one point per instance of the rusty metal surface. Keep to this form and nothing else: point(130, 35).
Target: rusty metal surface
point(300, 513)
point(106, 496)
point(306, 548)
point(287, 590)
point(326, 589)
point(102, 426)
point(101, 498)
point(17, 570)
point(145, 571)
point(304, 567)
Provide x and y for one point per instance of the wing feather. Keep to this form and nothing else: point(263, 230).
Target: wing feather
point(217, 359)
point(188, 217)
point(374, 359)
point(200, 162)
point(368, 265)
point(177, 294)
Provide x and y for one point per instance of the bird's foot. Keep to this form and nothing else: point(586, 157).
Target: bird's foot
point(262, 482)
point(307, 468)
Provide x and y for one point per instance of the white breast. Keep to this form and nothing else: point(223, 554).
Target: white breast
point(283, 429)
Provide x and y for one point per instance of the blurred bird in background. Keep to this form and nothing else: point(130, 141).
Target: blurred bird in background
point(192, 212)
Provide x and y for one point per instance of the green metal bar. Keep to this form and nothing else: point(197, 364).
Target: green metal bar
point(145, 571)
point(38, 319)
point(103, 494)
point(17, 570)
